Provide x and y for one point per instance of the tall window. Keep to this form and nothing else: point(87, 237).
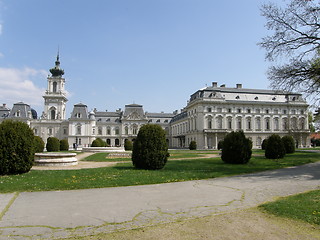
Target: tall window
point(99, 130)
point(302, 122)
point(285, 124)
point(135, 129)
point(258, 124)
point(54, 85)
point(267, 124)
point(108, 130)
point(116, 131)
point(126, 130)
point(248, 123)
point(276, 124)
point(78, 132)
point(219, 122)
point(53, 114)
point(209, 123)
point(294, 123)
point(229, 123)
point(239, 123)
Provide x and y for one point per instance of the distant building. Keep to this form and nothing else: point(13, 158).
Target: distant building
point(210, 114)
point(214, 111)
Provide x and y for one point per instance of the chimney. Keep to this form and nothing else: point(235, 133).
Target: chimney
point(223, 85)
point(239, 85)
point(4, 105)
point(214, 84)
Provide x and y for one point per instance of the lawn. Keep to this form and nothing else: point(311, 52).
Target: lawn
point(123, 174)
point(305, 207)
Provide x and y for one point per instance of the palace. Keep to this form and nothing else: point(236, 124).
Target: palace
point(210, 114)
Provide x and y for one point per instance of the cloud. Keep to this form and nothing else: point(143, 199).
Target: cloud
point(18, 85)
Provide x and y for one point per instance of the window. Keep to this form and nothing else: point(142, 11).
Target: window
point(301, 112)
point(166, 121)
point(219, 122)
point(117, 142)
point(267, 111)
point(285, 124)
point(276, 111)
point(294, 123)
point(108, 142)
point(135, 130)
point(65, 132)
point(158, 120)
point(219, 110)
point(258, 124)
point(35, 131)
point(209, 123)
point(53, 114)
point(116, 131)
point(257, 110)
point(248, 110)
point(258, 143)
point(239, 123)
point(50, 131)
point(79, 141)
point(248, 123)
point(126, 130)
point(108, 130)
point(99, 130)
point(276, 124)
point(209, 109)
point(54, 87)
point(229, 123)
point(78, 131)
point(302, 122)
point(284, 111)
point(229, 110)
point(18, 113)
point(267, 124)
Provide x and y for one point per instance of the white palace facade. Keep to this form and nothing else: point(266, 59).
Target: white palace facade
point(210, 114)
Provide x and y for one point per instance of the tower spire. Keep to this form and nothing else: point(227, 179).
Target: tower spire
point(57, 71)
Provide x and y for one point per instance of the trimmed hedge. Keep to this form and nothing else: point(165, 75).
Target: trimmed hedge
point(53, 144)
point(220, 145)
point(193, 145)
point(274, 147)
point(98, 143)
point(237, 149)
point(16, 147)
point(289, 144)
point(264, 144)
point(64, 145)
point(150, 149)
point(38, 144)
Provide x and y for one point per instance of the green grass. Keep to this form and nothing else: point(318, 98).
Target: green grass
point(123, 174)
point(102, 157)
point(305, 207)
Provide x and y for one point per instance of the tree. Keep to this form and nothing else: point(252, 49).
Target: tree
point(16, 147)
point(64, 145)
point(296, 36)
point(237, 149)
point(150, 149)
point(193, 145)
point(274, 147)
point(53, 144)
point(38, 144)
point(128, 145)
point(289, 144)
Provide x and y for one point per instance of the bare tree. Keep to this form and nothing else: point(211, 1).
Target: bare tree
point(296, 40)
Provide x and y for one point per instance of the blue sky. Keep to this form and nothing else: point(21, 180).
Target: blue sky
point(116, 52)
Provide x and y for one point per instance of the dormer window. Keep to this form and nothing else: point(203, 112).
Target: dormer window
point(78, 115)
point(18, 113)
point(238, 97)
point(158, 120)
point(256, 98)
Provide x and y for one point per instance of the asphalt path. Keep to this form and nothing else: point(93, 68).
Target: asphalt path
point(58, 214)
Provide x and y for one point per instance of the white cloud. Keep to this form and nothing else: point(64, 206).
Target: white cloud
point(18, 85)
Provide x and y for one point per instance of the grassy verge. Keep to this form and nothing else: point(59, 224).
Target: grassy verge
point(123, 174)
point(305, 207)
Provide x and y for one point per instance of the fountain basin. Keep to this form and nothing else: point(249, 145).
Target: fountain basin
point(55, 159)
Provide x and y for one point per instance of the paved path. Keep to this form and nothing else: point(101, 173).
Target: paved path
point(49, 215)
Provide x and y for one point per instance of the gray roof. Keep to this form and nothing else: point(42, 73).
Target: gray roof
point(79, 112)
point(20, 110)
point(159, 115)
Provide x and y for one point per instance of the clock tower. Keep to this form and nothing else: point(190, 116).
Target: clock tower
point(55, 96)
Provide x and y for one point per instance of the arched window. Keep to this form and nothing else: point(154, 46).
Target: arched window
point(258, 124)
point(108, 130)
point(276, 124)
point(135, 129)
point(267, 124)
point(219, 122)
point(285, 124)
point(239, 123)
point(229, 123)
point(294, 123)
point(301, 123)
point(258, 142)
point(78, 131)
point(126, 130)
point(53, 114)
point(99, 130)
point(108, 142)
point(117, 142)
point(116, 131)
point(209, 122)
point(248, 123)
point(54, 86)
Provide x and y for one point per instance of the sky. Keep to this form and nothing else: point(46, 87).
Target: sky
point(116, 52)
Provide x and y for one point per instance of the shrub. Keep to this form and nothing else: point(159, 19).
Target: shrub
point(98, 143)
point(128, 145)
point(64, 145)
point(16, 147)
point(150, 150)
point(53, 144)
point(264, 144)
point(38, 144)
point(274, 147)
point(193, 145)
point(237, 149)
point(289, 144)
point(220, 144)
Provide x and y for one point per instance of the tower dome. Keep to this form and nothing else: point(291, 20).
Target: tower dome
point(56, 71)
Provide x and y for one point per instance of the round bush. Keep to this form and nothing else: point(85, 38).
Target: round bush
point(193, 145)
point(237, 149)
point(64, 145)
point(150, 150)
point(16, 147)
point(289, 144)
point(264, 144)
point(98, 143)
point(53, 144)
point(274, 147)
point(38, 144)
point(128, 145)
